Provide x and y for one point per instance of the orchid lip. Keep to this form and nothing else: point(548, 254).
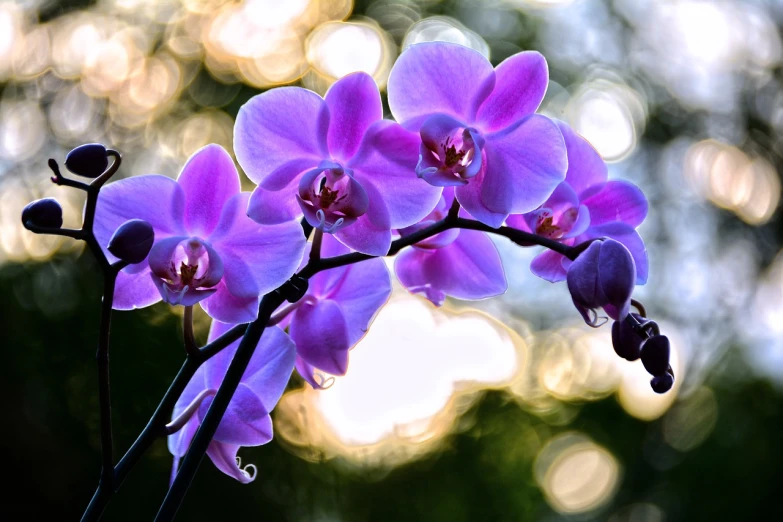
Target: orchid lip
point(450, 153)
point(185, 270)
point(330, 197)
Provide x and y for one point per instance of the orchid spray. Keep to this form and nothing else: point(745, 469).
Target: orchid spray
point(290, 273)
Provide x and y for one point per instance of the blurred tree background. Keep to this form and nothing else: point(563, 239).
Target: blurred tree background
point(528, 416)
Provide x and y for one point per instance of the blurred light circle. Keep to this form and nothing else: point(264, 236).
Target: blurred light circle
point(335, 49)
point(575, 474)
point(107, 66)
point(413, 372)
point(730, 179)
point(72, 114)
point(23, 129)
point(444, 29)
point(75, 37)
point(210, 126)
point(31, 54)
point(609, 116)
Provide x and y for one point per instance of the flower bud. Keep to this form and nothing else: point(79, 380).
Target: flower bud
point(45, 212)
point(626, 341)
point(603, 275)
point(655, 355)
point(662, 383)
point(88, 160)
point(132, 241)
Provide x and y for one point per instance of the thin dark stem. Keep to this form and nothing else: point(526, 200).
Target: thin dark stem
point(156, 427)
point(639, 307)
point(67, 232)
point(315, 250)
point(61, 180)
point(191, 348)
point(94, 188)
point(453, 210)
point(106, 483)
point(209, 425)
point(516, 236)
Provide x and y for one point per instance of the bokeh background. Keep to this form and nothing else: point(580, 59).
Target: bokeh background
point(509, 409)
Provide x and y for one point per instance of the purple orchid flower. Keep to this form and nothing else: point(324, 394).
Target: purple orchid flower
point(333, 159)
point(583, 207)
point(206, 249)
point(460, 263)
point(603, 275)
point(478, 129)
point(246, 421)
point(335, 313)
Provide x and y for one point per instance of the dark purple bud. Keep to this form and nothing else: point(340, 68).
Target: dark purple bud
point(132, 241)
point(88, 160)
point(627, 342)
point(602, 276)
point(662, 383)
point(45, 212)
point(655, 354)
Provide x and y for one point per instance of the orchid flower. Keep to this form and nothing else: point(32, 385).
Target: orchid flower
point(246, 421)
point(206, 249)
point(583, 207)
point(460, 263)
point(333, 159)
point(477, 126)
point(334, 314)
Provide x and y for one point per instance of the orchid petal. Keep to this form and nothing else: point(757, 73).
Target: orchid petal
point(440, 77)
point(468, 268)
point(521, 81)
point(224, 457)
point(208, 179)
point(617, 201)
point(387, 161)
point(245, 422)
point(135, 289)
point(308, 373)
point(179, 442)
point(321, 336)
point(354, 103)
point(469, 196)
point(363, 236)
point(270, 368)
point(273, 207)
point(586, 168)
point(548, 265)
point(278, 126)
point(525, 163)
point(257, 259)
point(158, 200)
point(228, 308)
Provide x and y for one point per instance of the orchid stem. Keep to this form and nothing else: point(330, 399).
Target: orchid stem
point(453, 210)
point(191, 348)
point(251, 334)
point(209, 425)
point(315, 250)
point(639, 307)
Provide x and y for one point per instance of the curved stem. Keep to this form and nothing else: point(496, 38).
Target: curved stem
point(252, 333)
point(106, 484)
point(209, 425)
